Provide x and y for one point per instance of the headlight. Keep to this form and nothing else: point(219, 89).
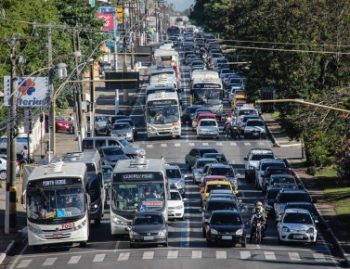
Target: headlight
point(310, 230)
point(133, 233)
point(162, 233)
point(285, 229)
point(95, 206)
point(179, 207)
point(116, 220)
point(128, 134)
point(213, 231)
point(251, 167)
point(239, 232)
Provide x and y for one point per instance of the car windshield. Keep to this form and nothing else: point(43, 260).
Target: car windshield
point(258, 157)
point(202, 151)
point(294, 197)
point(107, 174)
point(113, 151)
point(297, 218)
point(255, 123)
point(211, 187)
point(222, 171)
point(282, 180)
point(173, 173)
point(175, 196)
point(148, 220)
point(219, 157)
point(124, 142)
point(93, 186)
point(265, 165)
point(200, 164)
point(220, 205)
point(207, 123)
point(226, 219)
point(306, 206)
point(121, 126)
point(224, 196)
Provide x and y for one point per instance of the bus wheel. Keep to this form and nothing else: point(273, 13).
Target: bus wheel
point(83, 244)
point(37, 248)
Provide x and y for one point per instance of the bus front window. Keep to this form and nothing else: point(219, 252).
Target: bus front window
point(162, 114)
point(208, 96)
point(138, 196)
point(44, 204)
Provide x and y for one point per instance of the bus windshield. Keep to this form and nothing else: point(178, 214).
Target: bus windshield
point(207, 96)
point(55, 202)
point(138, 196)
point(162, 112)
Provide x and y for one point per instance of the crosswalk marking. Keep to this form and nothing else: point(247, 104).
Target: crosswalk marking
point(220, 254)
point(270, 255)
point(49, 261)
point(319, 257)
point(196, 254)
point(74, 259)
point(149, 146)
point(177, 145)
point(218, 143)
point(24, 263)
point(191, 144)
point(245, 254)
point(294, 256)
point(163, 145)
point(99, 257)
point(124, 256)
point(148, 255)
point(172, 254)
point(247, 144)
point(205, 144)
point(233, 144)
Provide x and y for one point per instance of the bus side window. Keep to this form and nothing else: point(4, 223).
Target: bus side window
point(100, 143)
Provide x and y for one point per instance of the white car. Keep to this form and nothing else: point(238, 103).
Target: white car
point(3, 167)
point(176, 206)
point(208, 128)
point(297, 225)
point(197, 168)
point(175, 178)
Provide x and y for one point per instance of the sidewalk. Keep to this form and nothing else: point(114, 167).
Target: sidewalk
point(327, 212)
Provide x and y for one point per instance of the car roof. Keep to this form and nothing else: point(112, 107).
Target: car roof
point(271, 161)
point(282, 175)
point(222, 192)
point(174, 190)
point(206, 159)
point(205, 114)
point(172, 166)
point(221, 199)
point(220, 165)
point(224, 212)
point(213, 176)
point(293, 191)
point(297, 210)
point(217, 182)
point(260, 151)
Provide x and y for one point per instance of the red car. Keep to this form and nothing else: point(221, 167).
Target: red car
point(64, 125)
point(202, 116)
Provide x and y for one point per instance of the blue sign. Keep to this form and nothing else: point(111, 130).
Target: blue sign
point(106, 10)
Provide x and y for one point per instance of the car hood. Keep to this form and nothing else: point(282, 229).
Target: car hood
point(253, 163)
point(207, 128)
point(148, 228)
point(197, 170)
point(255, 128)
point(226, 228)
point(174, 203)
point(298, 226)
point(122, 132)
point(173, 180)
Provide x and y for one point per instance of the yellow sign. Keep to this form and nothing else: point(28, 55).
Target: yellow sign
point(120, 14)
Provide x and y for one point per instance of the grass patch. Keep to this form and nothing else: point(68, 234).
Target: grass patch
point(337, 194)
point(328, 172)
point(342, 208)
point(276, 115)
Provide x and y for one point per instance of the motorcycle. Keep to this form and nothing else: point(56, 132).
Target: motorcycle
point(231, 130)
point(258, 225)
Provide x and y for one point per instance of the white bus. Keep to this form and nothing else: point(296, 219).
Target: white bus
point(138, 185)
point(163, 116)
point(57, 204)
point(168, 57)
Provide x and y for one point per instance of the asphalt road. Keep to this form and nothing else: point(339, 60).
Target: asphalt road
point(187, 248)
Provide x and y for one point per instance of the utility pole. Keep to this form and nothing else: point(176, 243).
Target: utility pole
point(10, 212)
point(124, 39)
point(92, 99)
point(52, 123)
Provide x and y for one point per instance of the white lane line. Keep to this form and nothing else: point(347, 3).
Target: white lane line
point(124, 256)
point(99, 257)
point(196, 254)
point(294, 256)
point(172, 254)
point(148, 255)
point(205, 144)
point(247, 144)
point(319, 257)
point(194, 215)
point(177, 145)
point(218, 143)
point(245, 255)
point(233, 161)
point(233, 144)
point(149, 146)
point(270, 255)
point(187, 229)
point(24, 263)
point(49, 261)
point(191, 144)
point(74, 260)
point(163, 145)
point(262, 144)
point(221, 254)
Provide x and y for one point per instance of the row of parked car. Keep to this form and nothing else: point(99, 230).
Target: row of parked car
point(286, 199)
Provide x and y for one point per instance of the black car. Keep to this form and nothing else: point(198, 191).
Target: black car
point(148, 228)
point(220, 157)
point(270, 198)
point(188, 114)
point(225, 226)
point(217, 203)
point(112, 154)
point(197, 152)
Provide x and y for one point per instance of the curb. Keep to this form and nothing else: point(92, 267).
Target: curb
point(3, 255)
point(269, 133)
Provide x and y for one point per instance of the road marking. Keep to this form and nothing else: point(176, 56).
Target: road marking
point(196, 254)
point(191, 144)
point(233, 144)
point(270, 255)
point(233, 161)
point(221, 254)
point(294, 256)
point(245, 255)
point(218, 143)
point(262, 144)
point(49, 261)
point(149, 146)
point(24, 263)
point(172, 254)
point(177, 145)
point(124, 256)
point(185, 229)
point(99, 257)
point(290, 145)
point(205, 144)
point(319, 257)
point(247, 144)
point(163, 145)
point(148, 255)
point(74, 260)
point(193, 215)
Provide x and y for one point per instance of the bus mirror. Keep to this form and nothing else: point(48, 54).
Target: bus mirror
point(88, 201)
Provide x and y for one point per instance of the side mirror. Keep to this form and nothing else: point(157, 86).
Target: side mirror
point(317, 221)
point(127, 229)
point(88, 201)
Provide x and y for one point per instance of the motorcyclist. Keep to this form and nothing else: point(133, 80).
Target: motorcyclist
point(258, 215)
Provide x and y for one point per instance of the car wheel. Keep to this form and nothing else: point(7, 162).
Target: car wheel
point(244, 242)
point(203, 233)
point(3, 175)
point(97, 222)
point(132, 245)
point(166, 244)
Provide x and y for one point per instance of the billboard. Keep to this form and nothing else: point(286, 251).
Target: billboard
point(30, 91)
point(108, 19)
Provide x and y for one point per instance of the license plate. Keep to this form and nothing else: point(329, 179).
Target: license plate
point(148, 238)
point(226, 237)
point(298, 236)
point(56, 236)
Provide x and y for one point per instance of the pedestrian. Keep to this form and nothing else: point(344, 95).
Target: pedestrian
point(42, 160)
point(24, 154)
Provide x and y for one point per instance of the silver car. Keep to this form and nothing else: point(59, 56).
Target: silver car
point(255, 128)
point(197, 168)
point(208, 128)
point(123, 130)
point(175, 178)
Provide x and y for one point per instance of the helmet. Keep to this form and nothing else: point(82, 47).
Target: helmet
point(258, 204)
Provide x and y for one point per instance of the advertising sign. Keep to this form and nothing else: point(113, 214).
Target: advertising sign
point(108, 19)
point(30, 91)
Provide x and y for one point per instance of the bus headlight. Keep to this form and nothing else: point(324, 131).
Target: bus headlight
point(116, 220)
